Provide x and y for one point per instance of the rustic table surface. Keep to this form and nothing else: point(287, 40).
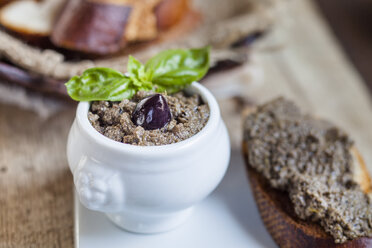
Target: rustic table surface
point(307, 65)
point(351, 22)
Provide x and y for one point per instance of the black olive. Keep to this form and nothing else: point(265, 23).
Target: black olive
point(152, 112)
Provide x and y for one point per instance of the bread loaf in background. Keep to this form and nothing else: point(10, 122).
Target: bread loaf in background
point(106, 26)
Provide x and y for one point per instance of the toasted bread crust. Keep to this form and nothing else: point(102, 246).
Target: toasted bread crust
point(361, 175)
point(280, 220)
point(129, 21)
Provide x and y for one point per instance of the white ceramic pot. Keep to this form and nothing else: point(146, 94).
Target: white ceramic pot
point(147, 189)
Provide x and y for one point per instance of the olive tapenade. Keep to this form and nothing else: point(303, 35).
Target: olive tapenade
point(311, 160)
point(134, 121)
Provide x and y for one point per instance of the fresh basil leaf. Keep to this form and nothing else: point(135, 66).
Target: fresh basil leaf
point(173, 70)
point(100, 84)
point(136, 72)
point(170, 89)
point(170, 71)
point(133, 65)
point(135, 68)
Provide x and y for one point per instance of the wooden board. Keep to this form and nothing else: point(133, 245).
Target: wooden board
point(36, 185)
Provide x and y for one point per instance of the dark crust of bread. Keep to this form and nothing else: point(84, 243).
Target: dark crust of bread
point(92, 37)
point(91, 27)
point(278, 215)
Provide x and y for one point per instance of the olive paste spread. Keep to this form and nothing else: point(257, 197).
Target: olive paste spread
point(311, 160)
point(168, 118)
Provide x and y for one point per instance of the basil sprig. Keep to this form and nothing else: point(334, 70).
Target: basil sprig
point(170, 71)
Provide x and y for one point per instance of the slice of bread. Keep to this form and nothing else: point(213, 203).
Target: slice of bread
point(30, 18)
point(284, 226)
point(103, 27)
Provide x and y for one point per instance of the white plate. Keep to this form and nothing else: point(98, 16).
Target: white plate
point(227, 218)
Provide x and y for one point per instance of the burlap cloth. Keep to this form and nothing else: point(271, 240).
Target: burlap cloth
point(35, 183)
point(36, 201)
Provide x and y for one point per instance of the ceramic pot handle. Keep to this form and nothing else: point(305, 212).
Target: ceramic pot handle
point(99, 188)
